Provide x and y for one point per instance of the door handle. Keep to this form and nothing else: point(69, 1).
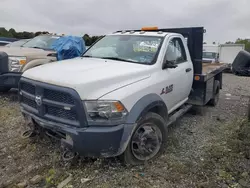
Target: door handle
point(188, 69)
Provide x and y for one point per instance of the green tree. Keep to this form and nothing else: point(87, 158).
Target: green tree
point(87, 40)
point(38, 33)
point(90, 40)
point(244, 41)
point(12, 32)
point(229, 42)
point(26, 35)
point(4, 32)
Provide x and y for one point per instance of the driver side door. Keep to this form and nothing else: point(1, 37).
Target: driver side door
point(177, 76)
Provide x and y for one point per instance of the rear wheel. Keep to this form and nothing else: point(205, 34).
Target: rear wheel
point(147, 141)
point(248, 113)
point(214, 101)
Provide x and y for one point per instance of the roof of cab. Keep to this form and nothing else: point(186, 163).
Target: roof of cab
point(142, 33)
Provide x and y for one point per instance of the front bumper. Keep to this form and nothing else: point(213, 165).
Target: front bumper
point(10, 79)
point(95, 141)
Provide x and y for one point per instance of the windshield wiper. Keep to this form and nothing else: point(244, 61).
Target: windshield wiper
point(118, 59)
point(87, 56)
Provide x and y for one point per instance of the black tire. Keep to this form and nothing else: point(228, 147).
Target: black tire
point(241, 64)
point(4, 89)
point(248, 113)
point(129, 157)
point(214, 101)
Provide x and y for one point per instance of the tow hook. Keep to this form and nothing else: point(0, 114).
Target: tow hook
point(29, 133)
point(69, 155)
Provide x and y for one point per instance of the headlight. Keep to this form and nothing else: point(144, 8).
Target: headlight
point(15, 63)
point(105, 111)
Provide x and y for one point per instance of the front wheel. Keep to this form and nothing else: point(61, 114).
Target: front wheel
point(148, 140)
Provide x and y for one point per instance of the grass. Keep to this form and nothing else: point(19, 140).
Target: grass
point(227, 160)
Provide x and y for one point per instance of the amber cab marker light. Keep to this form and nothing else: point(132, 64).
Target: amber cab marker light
point(149, 28)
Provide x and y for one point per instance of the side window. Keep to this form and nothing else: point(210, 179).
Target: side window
point(176, 51)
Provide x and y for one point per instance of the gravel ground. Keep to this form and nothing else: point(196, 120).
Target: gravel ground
point(198, 153)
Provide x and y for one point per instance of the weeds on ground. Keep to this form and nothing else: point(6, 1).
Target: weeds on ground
point(227, 160)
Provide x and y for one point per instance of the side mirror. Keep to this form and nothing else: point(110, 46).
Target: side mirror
point(169, 65)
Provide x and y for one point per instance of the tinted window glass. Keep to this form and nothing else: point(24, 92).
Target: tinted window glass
point(175, 51)
point(133, 48)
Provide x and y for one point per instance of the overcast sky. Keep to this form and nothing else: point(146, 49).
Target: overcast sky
point(224, 20)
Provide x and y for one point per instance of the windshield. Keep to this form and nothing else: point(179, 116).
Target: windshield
point(209, 55)
point(131, 48)
point(42, 41)
point(17, 43)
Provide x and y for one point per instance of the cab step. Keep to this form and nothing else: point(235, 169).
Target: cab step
point(184, 109)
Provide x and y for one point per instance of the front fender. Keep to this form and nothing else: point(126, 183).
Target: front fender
point(35, 63)
point(142, 106)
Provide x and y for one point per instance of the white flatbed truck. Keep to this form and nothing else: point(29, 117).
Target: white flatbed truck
point(120, 96)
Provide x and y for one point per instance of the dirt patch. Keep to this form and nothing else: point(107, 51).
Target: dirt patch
point(203, 151)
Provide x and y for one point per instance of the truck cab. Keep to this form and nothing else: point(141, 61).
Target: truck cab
point(120, 96)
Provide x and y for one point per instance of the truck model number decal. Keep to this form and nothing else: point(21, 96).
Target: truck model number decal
point(167, 90)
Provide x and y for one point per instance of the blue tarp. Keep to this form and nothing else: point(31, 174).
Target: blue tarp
point(68, 47)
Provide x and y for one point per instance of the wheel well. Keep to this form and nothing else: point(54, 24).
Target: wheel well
point(159, 110)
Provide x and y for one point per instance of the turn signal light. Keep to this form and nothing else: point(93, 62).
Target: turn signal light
point(22, 62)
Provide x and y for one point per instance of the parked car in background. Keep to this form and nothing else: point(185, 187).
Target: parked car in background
point(38, 51)
point(5, 40)
point(4, 43)
point(18, 43)
point(210, 53)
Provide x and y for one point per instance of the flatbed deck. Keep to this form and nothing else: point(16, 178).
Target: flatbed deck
point(210, 67)
point(209, 70)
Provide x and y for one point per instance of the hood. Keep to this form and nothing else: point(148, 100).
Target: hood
point(90, 77)
point(28, 52)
